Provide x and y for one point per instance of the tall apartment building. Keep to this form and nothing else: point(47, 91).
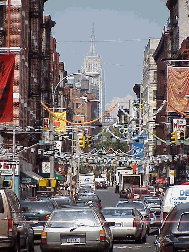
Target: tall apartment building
point(26, 33)
point(149, 90)
point(92, 65)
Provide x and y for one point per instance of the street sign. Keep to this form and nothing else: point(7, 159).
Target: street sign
point(48, 153)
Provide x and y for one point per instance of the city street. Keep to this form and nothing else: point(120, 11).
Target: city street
point(109, 198)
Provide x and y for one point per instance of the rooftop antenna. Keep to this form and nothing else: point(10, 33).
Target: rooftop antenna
point(92, 46)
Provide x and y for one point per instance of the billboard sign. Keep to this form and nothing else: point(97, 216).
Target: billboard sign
point(137, 149)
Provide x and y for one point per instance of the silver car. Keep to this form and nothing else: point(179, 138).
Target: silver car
point(76, 228)
point(128, 223)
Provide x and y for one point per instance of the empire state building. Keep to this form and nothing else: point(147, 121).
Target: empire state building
point(92, 65)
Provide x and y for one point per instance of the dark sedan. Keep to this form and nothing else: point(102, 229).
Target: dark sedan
point(89, 198)
point(174, 233)
point(36, 212)
point(63, 200)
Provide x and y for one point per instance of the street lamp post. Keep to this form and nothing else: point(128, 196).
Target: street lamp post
point(52, 124)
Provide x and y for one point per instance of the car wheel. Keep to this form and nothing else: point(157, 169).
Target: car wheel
point(111, 249)
point(138, 240)
point(144, 239)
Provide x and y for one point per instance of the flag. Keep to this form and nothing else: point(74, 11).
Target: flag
point(59, 122)
point(7, 62)
point(178, 88)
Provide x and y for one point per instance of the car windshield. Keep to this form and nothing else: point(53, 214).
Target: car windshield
point(139, 206)
point(37, 206)
point(183, 224)
point(118, 212)
point(73, 218)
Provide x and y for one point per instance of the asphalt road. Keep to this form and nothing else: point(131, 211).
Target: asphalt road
point(110, 198)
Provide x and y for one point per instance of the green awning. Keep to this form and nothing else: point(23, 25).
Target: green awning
point(29, 177)
point(58, 177)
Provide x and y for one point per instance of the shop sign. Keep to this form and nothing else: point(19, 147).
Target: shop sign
point(6, 169)
point(171, 176)
point(179, 124)
point(45, 167)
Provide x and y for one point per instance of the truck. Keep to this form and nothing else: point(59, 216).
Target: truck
point(87, 180)
point(174, 195)
point(126, 182)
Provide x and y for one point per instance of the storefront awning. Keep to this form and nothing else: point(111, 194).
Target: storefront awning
point(29, 177)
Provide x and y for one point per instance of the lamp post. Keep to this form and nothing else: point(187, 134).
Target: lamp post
point(54, 89)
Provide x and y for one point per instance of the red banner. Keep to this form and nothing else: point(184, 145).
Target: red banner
point(178, 88)
point(6, 87)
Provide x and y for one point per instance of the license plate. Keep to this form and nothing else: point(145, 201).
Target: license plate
point(73, 240)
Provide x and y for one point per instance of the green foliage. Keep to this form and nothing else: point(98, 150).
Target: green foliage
point(109, 144)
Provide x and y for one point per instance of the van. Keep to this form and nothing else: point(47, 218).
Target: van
point(136, 192)
point(174, 195)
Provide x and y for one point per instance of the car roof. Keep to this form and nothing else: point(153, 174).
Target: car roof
point(127, 207)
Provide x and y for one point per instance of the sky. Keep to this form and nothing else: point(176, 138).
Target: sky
point(122, 29)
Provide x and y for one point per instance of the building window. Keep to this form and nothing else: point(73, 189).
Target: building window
point(1, 15)
point(154, 95)
point(77, 105)
point(155, 76)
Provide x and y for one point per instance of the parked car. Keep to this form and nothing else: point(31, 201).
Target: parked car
point(64, 200)
point(36, 212)
point(174, 232)
point(15, 233)
point(74, 228)
point(129, 223)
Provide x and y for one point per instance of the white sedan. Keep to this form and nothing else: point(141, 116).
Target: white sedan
point(129, 223)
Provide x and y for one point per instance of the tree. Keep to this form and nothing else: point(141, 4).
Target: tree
point(108, 141)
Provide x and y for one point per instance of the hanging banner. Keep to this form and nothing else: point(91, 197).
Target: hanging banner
point(7, 63)
point(178, 88)
point(59, 123)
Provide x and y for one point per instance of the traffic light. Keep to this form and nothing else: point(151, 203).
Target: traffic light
point(174, 137)
point(82, 142)
point(181, 136)
point(89, 141)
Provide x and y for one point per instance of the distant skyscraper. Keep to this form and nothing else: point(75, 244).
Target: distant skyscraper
point(92, 65)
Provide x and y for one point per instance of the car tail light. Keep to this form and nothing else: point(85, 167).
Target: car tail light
point(99, 205)
point(43, 237)
point(164, 215)
point(134, 222)
point(102, 235)
point(47, 216)
point(147, 220)
point(10, 225)
point(151, 215)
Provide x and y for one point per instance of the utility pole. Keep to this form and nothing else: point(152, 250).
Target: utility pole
point(13, 157)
